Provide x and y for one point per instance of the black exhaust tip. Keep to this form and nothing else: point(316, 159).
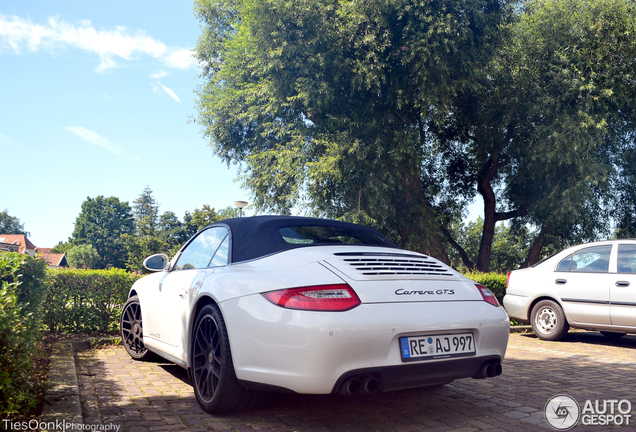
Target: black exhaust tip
point(351, 386)
point(370, 385)
point(489, 369)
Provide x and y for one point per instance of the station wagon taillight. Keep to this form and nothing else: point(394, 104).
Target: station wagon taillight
point(336, 297)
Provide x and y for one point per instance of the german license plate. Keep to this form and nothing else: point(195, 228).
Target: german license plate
point(437, 346)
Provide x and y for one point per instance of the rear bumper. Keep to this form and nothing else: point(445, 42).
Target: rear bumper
point(314, 352)
point(517, 306)
point(401, 377)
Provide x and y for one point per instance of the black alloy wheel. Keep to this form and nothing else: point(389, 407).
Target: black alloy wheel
point(132, 330)
point(215, 384)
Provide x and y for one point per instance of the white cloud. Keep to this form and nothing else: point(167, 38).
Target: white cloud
point(5, 140)
point(94, 138)
point(159, 75)
point(172, 94)
point(180, 59)
point(17, 35)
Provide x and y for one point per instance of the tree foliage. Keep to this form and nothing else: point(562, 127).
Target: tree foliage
point(11, 224)
point(101, 223)
point(62, 247)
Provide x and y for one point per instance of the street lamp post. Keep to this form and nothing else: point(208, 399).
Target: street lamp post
point(240, 205)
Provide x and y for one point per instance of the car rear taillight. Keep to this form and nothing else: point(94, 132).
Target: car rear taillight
point(488, 296)
point(338, 297)
point(508, 280)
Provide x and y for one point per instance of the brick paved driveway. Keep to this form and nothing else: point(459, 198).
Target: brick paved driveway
point(157, 396)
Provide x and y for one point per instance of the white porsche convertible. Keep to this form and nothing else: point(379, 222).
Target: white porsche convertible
point(294, 304)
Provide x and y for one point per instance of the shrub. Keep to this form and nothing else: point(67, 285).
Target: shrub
point(83, 256)
point(21, 291)
point(30, 274)
point(86, 301)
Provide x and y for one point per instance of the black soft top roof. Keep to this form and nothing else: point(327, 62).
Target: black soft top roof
point(257, 236)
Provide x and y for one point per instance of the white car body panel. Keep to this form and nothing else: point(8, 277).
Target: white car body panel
point(596, 301)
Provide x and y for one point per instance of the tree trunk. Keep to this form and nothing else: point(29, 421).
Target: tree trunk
point(534, 253)
point(490, 214)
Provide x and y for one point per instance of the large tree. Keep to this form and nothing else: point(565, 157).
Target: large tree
point(578, 57)
point(325, 103)
point(538, 139)
point(101, 223)
point(397, 114)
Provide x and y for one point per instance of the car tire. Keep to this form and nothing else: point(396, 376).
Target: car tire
point(215, 384)
point(130, 325)
point(548, 321)
point(613, 335)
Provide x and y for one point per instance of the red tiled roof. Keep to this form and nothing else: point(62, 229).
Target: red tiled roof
point(53, 259)
point(19, 239)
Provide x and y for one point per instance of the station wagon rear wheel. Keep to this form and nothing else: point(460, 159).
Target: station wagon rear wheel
point(215, 384)
point(548, 321)
point(132, 330)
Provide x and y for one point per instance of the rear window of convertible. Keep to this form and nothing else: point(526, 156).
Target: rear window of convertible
point(324, 235)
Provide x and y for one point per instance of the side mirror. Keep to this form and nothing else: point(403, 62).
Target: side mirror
point(157, 262)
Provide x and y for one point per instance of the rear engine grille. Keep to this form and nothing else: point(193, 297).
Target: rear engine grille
point(395, 264)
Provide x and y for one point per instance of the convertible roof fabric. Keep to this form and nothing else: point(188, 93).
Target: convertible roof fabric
point(258, 236)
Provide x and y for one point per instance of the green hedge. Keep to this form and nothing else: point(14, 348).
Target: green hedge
point(22, 287)
point(86, 301)
point(495, 282)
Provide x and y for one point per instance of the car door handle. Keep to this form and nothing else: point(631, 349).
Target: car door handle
point(622, 283)
point(183, 293)
point(561, 281)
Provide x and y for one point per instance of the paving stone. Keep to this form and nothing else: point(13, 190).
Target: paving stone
point(157, 396)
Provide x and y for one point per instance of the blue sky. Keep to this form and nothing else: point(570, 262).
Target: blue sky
point(95, 99)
